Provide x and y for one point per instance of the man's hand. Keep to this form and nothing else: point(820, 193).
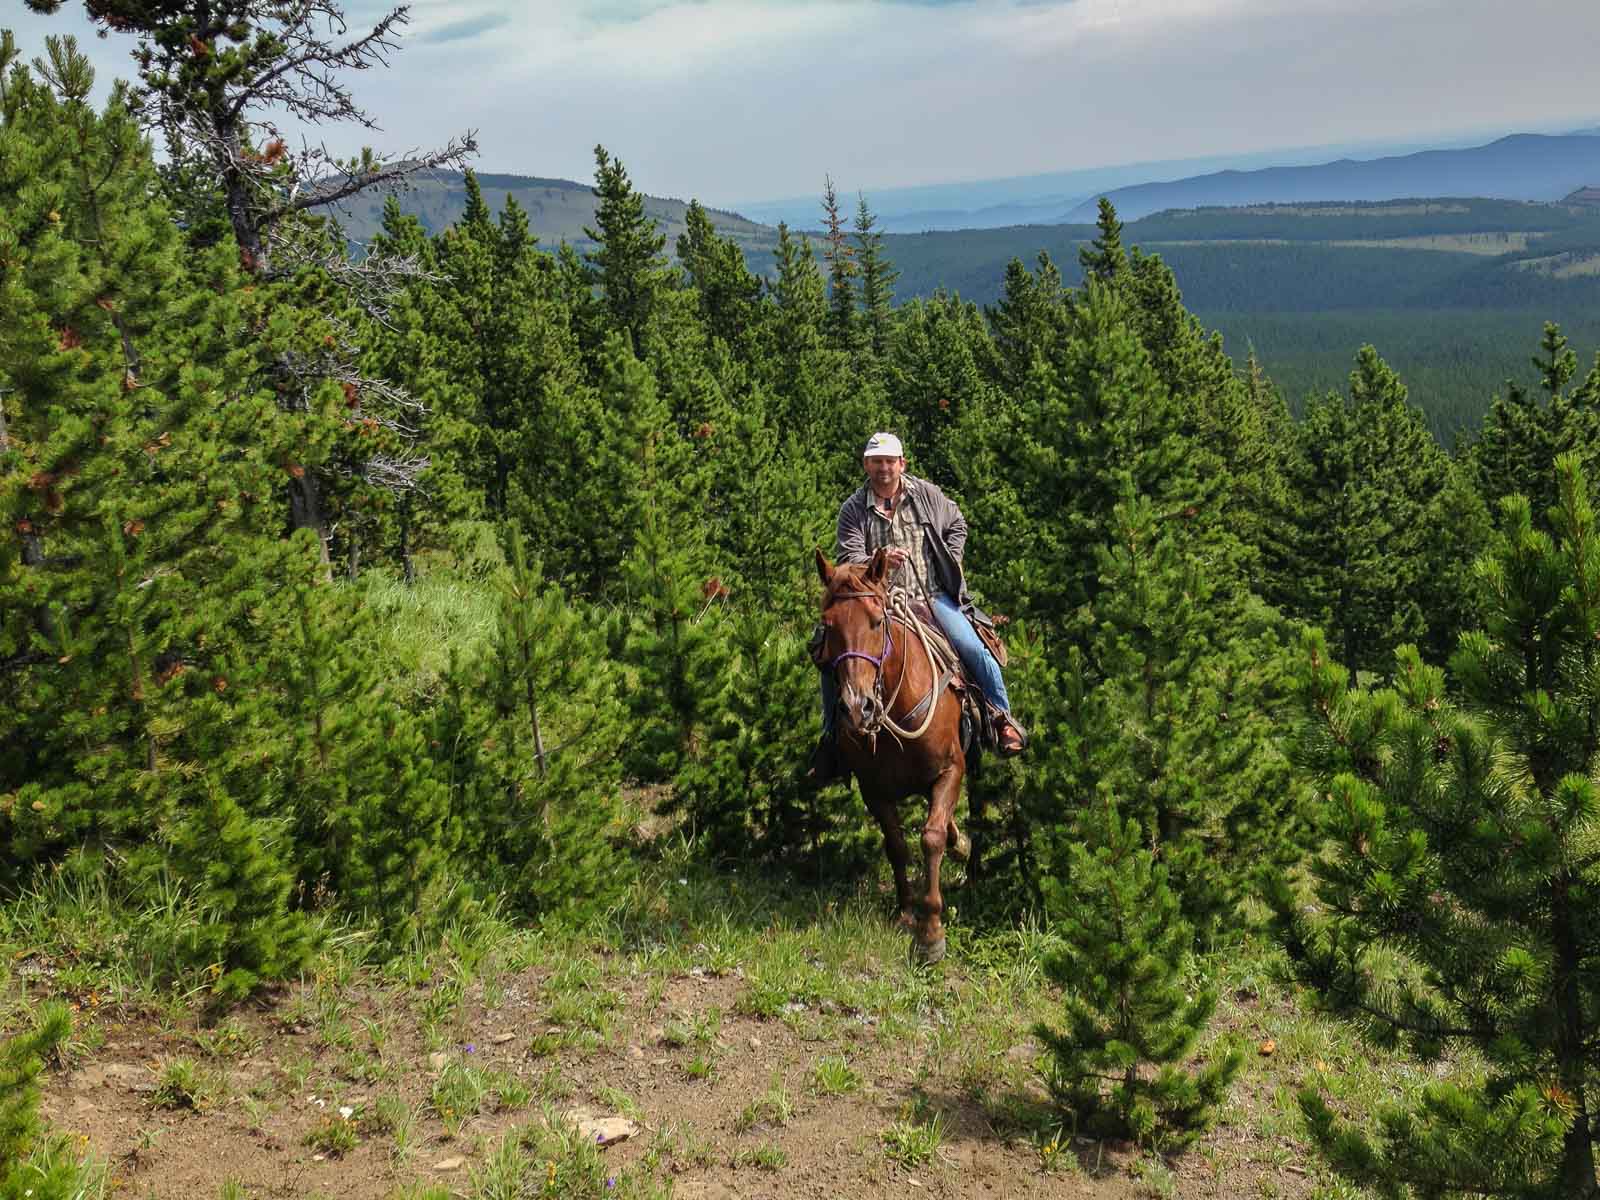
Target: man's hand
point(896, 558)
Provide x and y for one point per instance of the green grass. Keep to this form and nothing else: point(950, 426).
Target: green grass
point(418, 628)
point(834, 1076)
point(334, 1136)
point(182, 1084)
point(913, 1142)
point(774, 1107)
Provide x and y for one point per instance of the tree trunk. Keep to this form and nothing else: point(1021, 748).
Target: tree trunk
point(305, 512)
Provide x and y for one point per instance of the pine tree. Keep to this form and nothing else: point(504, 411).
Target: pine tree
point(728, 293)
point(877, 279)
point(410, 342)
point(1025, 319)
point(1378, 527)
point(933, 371)
point(1190, 680)
point(138, 449)
point(626, 265)
point(1105, 259)
point(675, 640)
point(1094, 425)
point(843, 320)
point(743, 792)
point(536, 748)
point(214, 77)
point(33, 1165)
point(1523, 432)
point(1461, 831)
point(1127, 1002)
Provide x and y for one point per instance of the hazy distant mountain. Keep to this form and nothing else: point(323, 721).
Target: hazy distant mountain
point(558, 209)
point(1041, 199)
point(1524, 166)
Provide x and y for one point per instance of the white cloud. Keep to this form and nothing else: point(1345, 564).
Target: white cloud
point(732, 99)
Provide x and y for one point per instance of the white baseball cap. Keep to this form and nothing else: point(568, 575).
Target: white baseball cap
point(883, 445)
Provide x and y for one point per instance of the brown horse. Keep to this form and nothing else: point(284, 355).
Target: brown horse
point(888, 737)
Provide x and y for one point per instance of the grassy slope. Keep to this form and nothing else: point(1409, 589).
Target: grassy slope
point(765, 1036)
point(558, 209)
point(762, 1038)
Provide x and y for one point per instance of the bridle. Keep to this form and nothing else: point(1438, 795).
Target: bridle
point(895, 609)
point(877, 660)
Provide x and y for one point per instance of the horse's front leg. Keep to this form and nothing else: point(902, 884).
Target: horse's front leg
point(887, 813)
point(928, 946)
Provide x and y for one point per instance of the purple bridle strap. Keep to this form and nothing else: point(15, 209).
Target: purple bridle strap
point(888, 638)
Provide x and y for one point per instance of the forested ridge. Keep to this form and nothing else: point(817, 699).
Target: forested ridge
point(1452, 291)
point(1305, 669)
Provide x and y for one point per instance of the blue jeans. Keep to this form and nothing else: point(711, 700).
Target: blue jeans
point(976, 660)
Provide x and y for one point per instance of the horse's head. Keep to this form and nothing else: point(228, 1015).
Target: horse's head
point(857, 638)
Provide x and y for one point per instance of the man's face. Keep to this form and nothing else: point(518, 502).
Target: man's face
point(884, 473)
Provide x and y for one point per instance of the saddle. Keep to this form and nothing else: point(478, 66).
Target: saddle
point(979, 723)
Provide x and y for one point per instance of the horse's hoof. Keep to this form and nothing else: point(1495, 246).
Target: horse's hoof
point(925, 954)
point(961, 848)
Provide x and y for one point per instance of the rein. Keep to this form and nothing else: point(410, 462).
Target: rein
point(898, 608)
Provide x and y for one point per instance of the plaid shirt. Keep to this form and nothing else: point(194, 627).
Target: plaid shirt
point(901, 532)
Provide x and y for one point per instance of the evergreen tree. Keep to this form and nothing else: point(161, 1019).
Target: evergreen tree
point(135, 454)
point(877, 278)
point(626, 265)
point(409, 341)
point(1025, 319)
point(1094, 424)
point(368, 810)
point(535, 752)
point(1191, 678)
point(843, 320)
point(1378, 528)
point(33, 1165)
point(1104, 259)
point(1127, 1002)
point(675, 641)
point(1523, 433)
point(1461, 832)
point(728, 293)
point(743, 792)
point(213, 77)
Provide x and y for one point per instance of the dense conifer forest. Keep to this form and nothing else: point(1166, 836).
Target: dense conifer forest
point(1312, 669)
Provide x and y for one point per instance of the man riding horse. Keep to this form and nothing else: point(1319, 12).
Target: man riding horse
point(923, 535)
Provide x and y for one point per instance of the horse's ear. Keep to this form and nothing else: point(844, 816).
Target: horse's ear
point(878, 565)
point(824, 567)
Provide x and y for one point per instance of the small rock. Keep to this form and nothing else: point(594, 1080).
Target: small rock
point(1268, 1047)
point(500, 1039)
point(438, 1060)
point(636, 1052)
point(755, 1043)
point(693, 1189)
point(319, 1158)
point(602, 1131)
point(454, 1163)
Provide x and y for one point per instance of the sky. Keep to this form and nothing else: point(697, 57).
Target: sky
point(745, 100)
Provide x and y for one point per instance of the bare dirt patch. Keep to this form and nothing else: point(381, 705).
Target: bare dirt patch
point(373, 1088)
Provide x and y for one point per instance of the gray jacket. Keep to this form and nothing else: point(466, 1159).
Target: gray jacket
point(944, 530)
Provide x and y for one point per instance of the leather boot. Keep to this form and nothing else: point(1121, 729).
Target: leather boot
point(824, 766)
